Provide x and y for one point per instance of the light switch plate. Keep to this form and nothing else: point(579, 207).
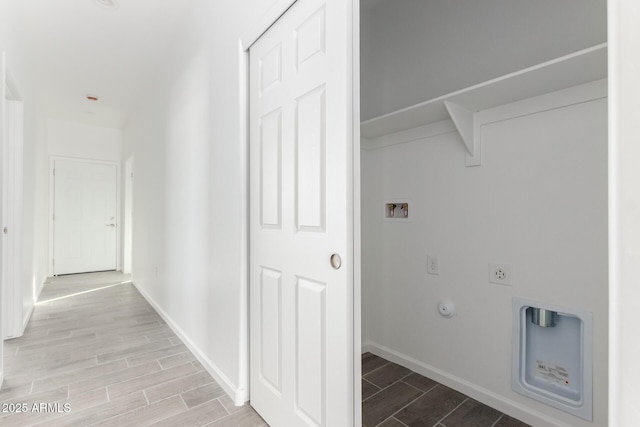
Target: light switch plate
point(433, 264)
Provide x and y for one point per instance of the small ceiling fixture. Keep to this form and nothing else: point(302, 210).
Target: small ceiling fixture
point(92, 97)
point(110, 4)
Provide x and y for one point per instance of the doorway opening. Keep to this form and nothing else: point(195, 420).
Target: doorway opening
point(480, 125)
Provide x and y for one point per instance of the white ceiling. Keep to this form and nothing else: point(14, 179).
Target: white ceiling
point(78, 47)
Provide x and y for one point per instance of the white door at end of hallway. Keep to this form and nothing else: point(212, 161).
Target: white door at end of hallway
point(84, 216)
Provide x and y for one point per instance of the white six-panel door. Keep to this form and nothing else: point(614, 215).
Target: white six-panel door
point(85, 217)
point(301, 170)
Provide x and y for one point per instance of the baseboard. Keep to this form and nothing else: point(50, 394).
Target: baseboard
point(238, 395)
point(29, 313)
point(474, 391)
point(40, 288)
point(23, 324)
point(26, 318)
point(367, 346)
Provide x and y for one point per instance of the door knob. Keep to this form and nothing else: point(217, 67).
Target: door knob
point(110, 225)
point(335, 261)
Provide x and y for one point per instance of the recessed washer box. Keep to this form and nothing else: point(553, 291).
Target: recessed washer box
point(553, 356)
point(397, 209)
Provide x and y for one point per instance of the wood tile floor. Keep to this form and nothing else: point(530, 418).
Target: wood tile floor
point(98, 354)
point(394, 396)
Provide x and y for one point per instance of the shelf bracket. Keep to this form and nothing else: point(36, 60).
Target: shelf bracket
point(465, 122)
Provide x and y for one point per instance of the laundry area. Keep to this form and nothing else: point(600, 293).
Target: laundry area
point(484, 200)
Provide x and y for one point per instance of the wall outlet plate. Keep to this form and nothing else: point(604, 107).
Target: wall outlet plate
point(500, 274)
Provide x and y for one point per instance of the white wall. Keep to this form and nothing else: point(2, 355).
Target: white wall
point(34, 208)
point(82, 141)
point(70, 139)
point(538, 203)
point(415, 50)
point(34, 223)
point(188, 222)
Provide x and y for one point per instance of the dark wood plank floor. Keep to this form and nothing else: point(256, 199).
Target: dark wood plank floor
point(394, 396)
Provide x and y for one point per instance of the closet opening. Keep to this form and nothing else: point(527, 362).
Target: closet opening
point(488, 122)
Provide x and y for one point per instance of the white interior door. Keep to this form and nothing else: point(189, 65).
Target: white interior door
point(85, 213)
point(301, 198)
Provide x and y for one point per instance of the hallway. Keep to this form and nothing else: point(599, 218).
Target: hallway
point(98, 354)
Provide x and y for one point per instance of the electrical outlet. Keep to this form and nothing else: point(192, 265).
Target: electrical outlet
point(500, 274)
point(433, 265)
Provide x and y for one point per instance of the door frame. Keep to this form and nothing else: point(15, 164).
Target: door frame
point(624, 199)
point(51, 179)
point(265, 22)
point(127, 215)
point(12, 181)
point(3, 89)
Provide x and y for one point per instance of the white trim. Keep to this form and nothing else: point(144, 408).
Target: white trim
point(11, 90)
point(442, 127)
point(356, 214)
point(38, 291)
point(472, 390)
point(127, 215)
point(265, 22)
point(52, 160)
point(27, 317)
point(3, 91)
point(550, 101)
point(243, 309)
point(17, 109)
point(12, 217)
point(624, 199)
point(236, 393)
point(617, 377)
point(50, 213)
